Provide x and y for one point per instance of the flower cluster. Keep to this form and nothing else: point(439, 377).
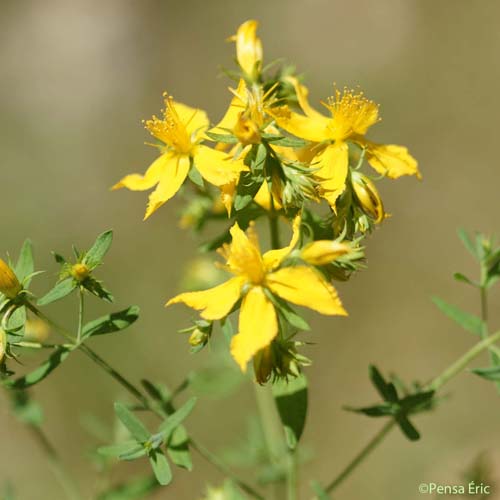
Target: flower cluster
point(272, 156)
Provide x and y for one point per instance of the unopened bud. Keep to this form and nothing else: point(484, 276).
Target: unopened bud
point(368, 196)
point(198, 337)
point(322, 252)
point(246, 130)
point(263, 365)
point(9, 284)
point(80, 272)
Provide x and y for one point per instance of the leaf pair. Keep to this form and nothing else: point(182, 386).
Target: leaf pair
point(399, 408)
point(143, 443)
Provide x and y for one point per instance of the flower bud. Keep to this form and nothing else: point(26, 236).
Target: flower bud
point(246, 130)
point(3, 343)
point(368, 196)
point(263, 365)
point(322, 252)
point(248, 48)
point(198, 337)
point(80, 271)
point(9, 284)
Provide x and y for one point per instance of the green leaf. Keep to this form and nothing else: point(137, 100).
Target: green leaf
point(111, 323)
point(17, 321)
point(25, 264)
point(286, 311)
point(415, 403)
point(467, 242)
point(161, 467)
point(386, 390)
point(463, 279)
point(45, 369)
point(98, 250)
point(135, 489)
point(132, 423)
point(491, 373)
point(61, 290)
point(115, 450)
point(287, 142)
point(95, 287)
point(196, 177)
point(175, 419)
point(223, 138)
point(407, 427)
point(178, 448)
point(291, 399)
point(468, 321)
point(382, 410)
point(59, 258)
point(137, 452)
point(227, 328)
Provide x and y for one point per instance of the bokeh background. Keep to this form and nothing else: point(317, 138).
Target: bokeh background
point(77, 78)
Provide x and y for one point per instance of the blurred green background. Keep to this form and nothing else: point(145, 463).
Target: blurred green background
point(77, 78)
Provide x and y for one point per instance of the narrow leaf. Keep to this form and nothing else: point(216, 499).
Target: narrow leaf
point(132, 423)
point(111, 323)
point(161, 467)
point(25, 265)
point(467, 242)
point(490, 373)
point(463, 279)
point(115, 450)
point(61, 290)
point(98, 250)
point(175, 419)
point(407, 427)
point(45, 369)
point(382, 386)
point(466, 320)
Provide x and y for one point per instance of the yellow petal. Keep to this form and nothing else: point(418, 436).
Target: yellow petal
point(313, 129)
point(170, 182)
point(248, 47)
point(332, 164)
point(137, 182)
point(3, 344)
point(243, 254)
point(227, 193)
point(263, 198)
point(237, 105)
point(195, 120)
point(322, 252)
point(258, 326)
point(217, 167)
point(302, 92)
point(273, 258)
point(215, 303)
point(305, 286)
point(391, 160)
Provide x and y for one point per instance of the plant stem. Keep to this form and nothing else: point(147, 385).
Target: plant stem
point(132, 389)
point(272, 429)
point(65, 480)
point(81, 306)
point(360, 457)
point(437, 383)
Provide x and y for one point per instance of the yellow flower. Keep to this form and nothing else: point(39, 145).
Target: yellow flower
point(80, 271)
point(9, 284)
point(248, 49)
point(3, 344)
point(181, 130)
point(255, 276)
point(351, 115)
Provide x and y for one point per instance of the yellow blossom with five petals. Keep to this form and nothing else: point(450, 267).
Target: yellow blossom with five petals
point(351, 115)
point(181, 131)
point(255, 276)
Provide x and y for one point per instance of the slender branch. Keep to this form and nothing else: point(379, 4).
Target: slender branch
point(145, 402)
point(81, 306)
point(360, 457)
point(437, 383)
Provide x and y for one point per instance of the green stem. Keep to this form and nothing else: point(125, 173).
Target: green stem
point(436, 384)
point(65, 480)
point(132, 389)
point(360, 457)
point(273, 431)
point(81, 306)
